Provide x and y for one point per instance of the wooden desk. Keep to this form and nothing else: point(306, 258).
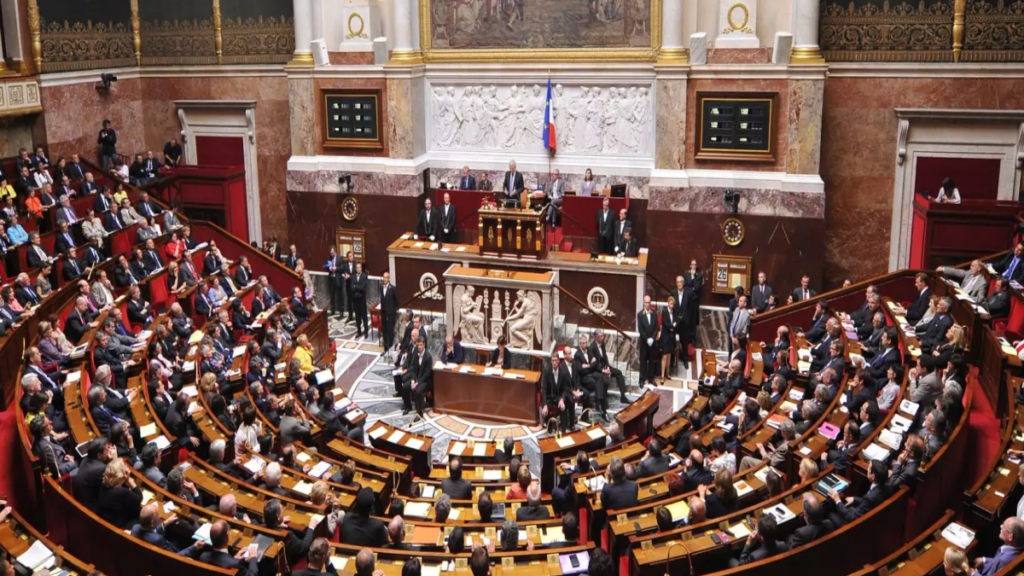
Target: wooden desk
point(637, 419)
point(487, 396)
point(922, 556)
point(588, 439)
point(391, 561)
point(481, 451)
point(416, 447)
point(512, 232)
point(17, 536)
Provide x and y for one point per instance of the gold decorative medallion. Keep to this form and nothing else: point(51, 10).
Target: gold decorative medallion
point(742, 26)
point(349, 208)
point(356, 25)
point(733, 231)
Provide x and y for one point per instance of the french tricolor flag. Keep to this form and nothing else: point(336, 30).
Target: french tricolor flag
point(549, 124)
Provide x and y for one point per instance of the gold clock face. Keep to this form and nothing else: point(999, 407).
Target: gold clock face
point(349, 208)
point(733, 231)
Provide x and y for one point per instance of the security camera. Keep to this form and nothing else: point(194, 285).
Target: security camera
point(106, 80)
point(345, 181)
point(732, 200)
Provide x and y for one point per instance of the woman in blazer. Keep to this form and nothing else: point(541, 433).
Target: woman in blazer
point(588, 186)
point(670, 322)
point(120, 500)
point(500, 356)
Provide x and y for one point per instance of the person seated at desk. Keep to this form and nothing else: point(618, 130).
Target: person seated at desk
point(533, 510)
point(452, 353)
point(938, 328)
point(44, 446)
point(620, 492)
point(972, 280)
point(654, 462)
point(218, 554)
point(557, 395)
point(998, 304)
point(500, 356)
point(854, 507)
point(948, 193)
point(427, 224)
point(1011, 266)
point(15, 231)
point(467, 181)
point(79, 321)
point(512, 184)
point(627, 245)
point(120, 500)
point(555, 191)
point(36, 255)
point(359, 527)
point(419, 380)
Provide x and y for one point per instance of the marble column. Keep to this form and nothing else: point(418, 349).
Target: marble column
point(303, 16)
point(316, 21)
point(3, 53)
point(805, 33)
point(403, 51)
point(673, 39)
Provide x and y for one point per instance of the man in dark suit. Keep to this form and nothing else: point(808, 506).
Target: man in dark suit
point(512, 183)
point(151, 257)
point(427, 224)
point(627, 245)
point(449, 220)
point(360, 528)
point(298, 307)
point(597, 351)
point(888, 355)
point(112, 222)
point(819, 323)
point(1011, 533)
point(815, 525)
point(348, 272)
point(467, 181)
point(335, 282)
point(839, 456)
point(621, 225)
point(619, 493)
point(78, 321)
point(87, 482)
point(647, 327)
point(655, 463)
point(854, 507)
point(534, 509)
point(359, 285)
point(904, 469)
point(452, 352)
point(1011, 266)
point(295, 547)
point(318, 560)
point(557, 395)
point(89, 187)
point(695, 472)
point(35, 254)
point(762, 543)
point(454, 486)
point(421, 378)
point(918, 309)
point(388, 309)
point(759, 294)
point(605, 228)
point(998, 304)
point(104, 201)
point(146, 207)
point(217, 552)
point(243, 272)
point(935, 335)
point(804, 292)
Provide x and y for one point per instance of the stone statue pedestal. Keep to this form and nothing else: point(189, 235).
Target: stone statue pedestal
point(360, 23)
point(737, 24)
point(484, 304)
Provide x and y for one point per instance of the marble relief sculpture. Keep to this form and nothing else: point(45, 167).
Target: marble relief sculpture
point(482, 319)
point(588, 120)
point(524, 320)
point(468, 315)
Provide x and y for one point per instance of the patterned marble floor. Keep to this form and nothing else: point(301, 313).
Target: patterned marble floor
point(366, 376)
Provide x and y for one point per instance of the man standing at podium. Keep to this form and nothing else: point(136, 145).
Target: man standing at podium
point(467, 182)
point(605, 228)
point(427, 224)
point(554, 191)
point(513, 183)
point(647, 326)
point(449, 220)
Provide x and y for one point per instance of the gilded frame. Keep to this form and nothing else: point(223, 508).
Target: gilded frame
point(330, 143)
point(515, 55)
point(703, 153)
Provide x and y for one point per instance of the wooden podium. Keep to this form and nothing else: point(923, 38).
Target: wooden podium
point(511, 232)
point(947, 234)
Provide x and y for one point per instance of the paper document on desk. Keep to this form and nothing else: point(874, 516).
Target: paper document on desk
point(190, 391)
point(762, 474)
point(680, 510)
point(780, 512)
point(302, 457)
point(493, 371)
point(254, 465)
point(147, 430)
point(457, 449)
point(901, 423)
point(203, 533)
point(738, 530)
point(431, 569)
point(339, 563)
point(554, 534)
point(161, 442)
point(417, 509)
point(304, 488)
point(193, 408)
point(354, 415)
point(803, 367)
point(147, 497)
point(467, 370)
point(320, 469)
point(438, 365)
point(742, 488)
point(909, 407)
point(189, 366)
point(493, 474)
point(396, 436)
point(428, 492)
point(875, 452)
point(890, 439)
point(378, 432)
point(324, 376)
point(565, 441)
point(596, 433)
point(345, 401)
point(196, 337)
point(237, 351)
point(958, 534)
point(37, 556)
point(596, 483)
point(417, 245)
point(479, 449)
point(414, 444)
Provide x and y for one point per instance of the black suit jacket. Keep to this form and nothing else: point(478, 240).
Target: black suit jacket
point(242, 277)
point(32, 257)
point(759, 297)
point(467, 182)
point(606, 226)
point(998, 304)
point(517, 183)
point(389, 301)
point(457, 489)
point(861, 506)
point(506, 360)
point(619, 229)
point(1004, 264)
point(76, 325)
point(72, 269)
point(425, 227)
point(615, 496)
point(917, 310)
point(935, 335)
point(299, 310)
point(628, 247)
point(798, 294)
point(809, 533)
point(450, 220)
point(647, 329)
point(358, 530)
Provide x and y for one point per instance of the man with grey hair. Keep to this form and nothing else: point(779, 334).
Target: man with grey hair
point(1011, 533)
point(509, 536)
point(442, 508)
point(102, 415)
point(365, 563)
point(533, 510)
point(776, 455)
point(935, 333)
point(218, 453)
point(272, 479)
point(30, 385)
point(972, 280)
point(228, 506)
point(396, 532)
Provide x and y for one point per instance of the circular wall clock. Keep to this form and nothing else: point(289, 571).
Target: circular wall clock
point(733, 231)
point(349, 208)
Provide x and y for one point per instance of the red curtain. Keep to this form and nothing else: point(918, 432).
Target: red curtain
point(220, 151)
point(975, 178)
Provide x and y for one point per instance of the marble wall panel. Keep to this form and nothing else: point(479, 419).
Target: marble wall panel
point(761, 55)
point(636, 186)
point(303, 116)
point(670, 131)
point(15, 133)
point(758, 202)
point(74, 114)
point(400, 117)
point(780, 130)
point(806, 98)
point(858, 157)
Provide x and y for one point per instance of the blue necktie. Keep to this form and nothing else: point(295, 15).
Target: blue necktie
point(1013, 265)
